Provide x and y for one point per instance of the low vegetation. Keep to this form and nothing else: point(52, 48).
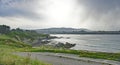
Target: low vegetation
point(7, 58)
point(5, 40)
point(81, 53)
point(8, 47)
point(10, 41)
point(20, 34)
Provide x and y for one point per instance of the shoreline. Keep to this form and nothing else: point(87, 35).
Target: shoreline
point(86, 44)
point(94, 51)
point(80, 53)
point(72, 48)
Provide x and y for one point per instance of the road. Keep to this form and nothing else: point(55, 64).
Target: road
point(62, 59)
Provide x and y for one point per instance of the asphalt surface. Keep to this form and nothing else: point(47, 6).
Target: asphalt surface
point(61, 59)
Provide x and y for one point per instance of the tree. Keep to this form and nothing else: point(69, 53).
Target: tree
point(4, 29)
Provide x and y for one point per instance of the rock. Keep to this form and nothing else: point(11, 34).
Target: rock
point(60, 45)
point(65, 45)
point(68, 45)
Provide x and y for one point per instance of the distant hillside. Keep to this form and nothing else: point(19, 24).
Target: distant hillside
point(73, 31)
point(61, 30)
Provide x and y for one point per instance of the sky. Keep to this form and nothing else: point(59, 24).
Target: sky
point(38, 14)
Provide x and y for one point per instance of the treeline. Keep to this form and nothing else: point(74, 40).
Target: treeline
point(4, 29)
point(20, 34)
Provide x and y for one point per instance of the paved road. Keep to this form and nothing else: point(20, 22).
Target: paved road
point(60, 59)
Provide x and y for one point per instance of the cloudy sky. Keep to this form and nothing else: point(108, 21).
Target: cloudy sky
point(37, 14)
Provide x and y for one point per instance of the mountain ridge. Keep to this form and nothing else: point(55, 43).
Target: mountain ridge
point(61, 30)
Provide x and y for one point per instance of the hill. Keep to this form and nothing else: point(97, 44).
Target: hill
point(5, 40)
point(60, 30)
point(18, 36)
point(73, 31)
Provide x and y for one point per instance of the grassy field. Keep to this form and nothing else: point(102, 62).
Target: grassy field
point(7, 58)
point(81, 53)
point(8, 46)
point(5, 40)
point(20, 35)
point(11, 40)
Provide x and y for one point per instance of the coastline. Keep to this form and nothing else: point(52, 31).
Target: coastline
point(99, 43)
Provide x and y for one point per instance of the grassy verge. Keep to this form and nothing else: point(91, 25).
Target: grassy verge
point(81, 53)
point(11, 40)
point(8, 46)
point(7, 58)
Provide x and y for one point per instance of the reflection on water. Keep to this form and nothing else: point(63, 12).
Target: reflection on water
point(103, 43)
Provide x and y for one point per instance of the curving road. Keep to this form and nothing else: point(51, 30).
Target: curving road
point(63, 59)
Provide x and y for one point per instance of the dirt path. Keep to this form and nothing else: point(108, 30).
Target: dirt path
point(64, 59)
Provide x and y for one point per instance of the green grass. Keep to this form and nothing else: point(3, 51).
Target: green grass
point(20, 35)
point(7, 58)
point(5, 40)
point(81, 53)
point(8, 46)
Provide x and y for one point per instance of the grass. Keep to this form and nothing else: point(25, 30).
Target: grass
point(8, 46)
point(81, 53)
point(20, 35)
point(12, 41)
point(5, 40)
point(7, 58)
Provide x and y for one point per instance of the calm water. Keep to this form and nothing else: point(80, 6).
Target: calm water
point(103, 43)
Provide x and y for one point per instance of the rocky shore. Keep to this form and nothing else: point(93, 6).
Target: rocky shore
point(48, 41)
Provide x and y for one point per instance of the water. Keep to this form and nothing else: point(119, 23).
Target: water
point(102, 43)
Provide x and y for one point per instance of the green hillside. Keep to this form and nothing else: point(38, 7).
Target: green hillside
point(11, 40)
point(16, 37)
point(5, 40)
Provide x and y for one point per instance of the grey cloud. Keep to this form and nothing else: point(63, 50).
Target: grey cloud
point(96, 14)
point(24, 8)
point(105, 14)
